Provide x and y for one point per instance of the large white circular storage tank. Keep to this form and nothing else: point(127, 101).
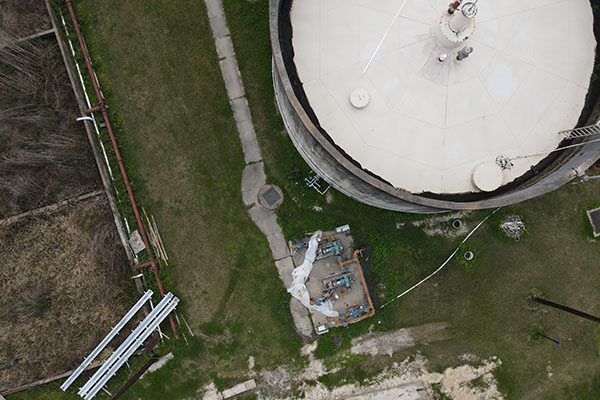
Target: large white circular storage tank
point(383, 80)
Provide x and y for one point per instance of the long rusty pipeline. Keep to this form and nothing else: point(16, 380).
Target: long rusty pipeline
point(113, 140)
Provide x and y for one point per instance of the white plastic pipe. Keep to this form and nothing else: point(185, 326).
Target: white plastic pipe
point(114, 332)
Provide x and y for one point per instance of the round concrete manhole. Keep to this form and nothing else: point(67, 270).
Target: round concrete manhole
point(270, 196)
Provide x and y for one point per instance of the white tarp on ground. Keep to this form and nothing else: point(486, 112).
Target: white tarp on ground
point(300, 275)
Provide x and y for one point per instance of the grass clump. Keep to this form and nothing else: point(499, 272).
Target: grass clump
point(212, 328)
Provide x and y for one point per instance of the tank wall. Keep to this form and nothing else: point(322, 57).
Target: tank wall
point(337, 170)
point(329, 168)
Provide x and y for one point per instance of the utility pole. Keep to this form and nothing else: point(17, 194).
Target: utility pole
point(566, 308)
point(556, 341)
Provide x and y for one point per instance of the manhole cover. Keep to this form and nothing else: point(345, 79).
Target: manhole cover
point(270, 196)
point(594, 216)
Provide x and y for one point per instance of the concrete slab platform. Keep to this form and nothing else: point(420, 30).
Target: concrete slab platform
point(331, 268)
point(241, 110)
point(224, 47)
point(248, 140)
point(231, 76)
point(285, 266)
point(301, 318)
point(219, 27)
point(253, 178)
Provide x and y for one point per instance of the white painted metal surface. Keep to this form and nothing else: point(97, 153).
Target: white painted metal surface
point(129, 346)
point(429, 124)
point(134, 346)
point(360, 98)
point(488, 176)
point(111, 335)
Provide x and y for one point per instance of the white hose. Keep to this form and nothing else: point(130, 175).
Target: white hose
point(445, 262)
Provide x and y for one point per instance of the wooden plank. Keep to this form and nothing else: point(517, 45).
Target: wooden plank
point(51, 207)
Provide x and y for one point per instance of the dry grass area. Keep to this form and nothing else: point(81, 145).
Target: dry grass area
point(44, 154)
point(22, 18)
point(64, 278)
point(63, 285)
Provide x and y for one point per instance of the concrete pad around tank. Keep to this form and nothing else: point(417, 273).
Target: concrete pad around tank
point(302, 319)
point(285, 266)
point(253, 178)
point(525, 81)
point(231, 76)
point(224, 47)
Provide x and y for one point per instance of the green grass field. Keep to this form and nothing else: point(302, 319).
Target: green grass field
point(159, 70)
point(488, 309)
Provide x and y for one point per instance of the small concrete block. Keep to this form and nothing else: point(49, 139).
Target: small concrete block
point(246, 130)
point(224, 47)
point(219, 27)
point(158, 364)
point(278, 246)
point(302, 320)
point(214, 8)
point(253, 178)
point(136, 242)
point(211, 393)
point(285, 266)
point(241, 110)
point(251, 152)
point(265, 220)
point(232, 78)
point(250, 384)
point(239, 388)
point(249, 142)
point(212, 396)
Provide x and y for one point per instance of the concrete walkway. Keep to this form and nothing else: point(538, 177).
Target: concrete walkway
point(253, 177)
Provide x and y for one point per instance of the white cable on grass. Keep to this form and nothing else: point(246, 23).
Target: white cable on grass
point(445, 262)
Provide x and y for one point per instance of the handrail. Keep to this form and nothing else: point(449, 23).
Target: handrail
point(584, 131)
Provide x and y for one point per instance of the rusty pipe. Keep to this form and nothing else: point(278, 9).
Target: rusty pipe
point(120, 162)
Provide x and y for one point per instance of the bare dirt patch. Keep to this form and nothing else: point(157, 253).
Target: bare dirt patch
point(410, 379)
point(441, 225)
point(63, 284)
point(387, 343)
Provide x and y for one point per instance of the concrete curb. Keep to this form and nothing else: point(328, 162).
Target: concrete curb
point(253, 177)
